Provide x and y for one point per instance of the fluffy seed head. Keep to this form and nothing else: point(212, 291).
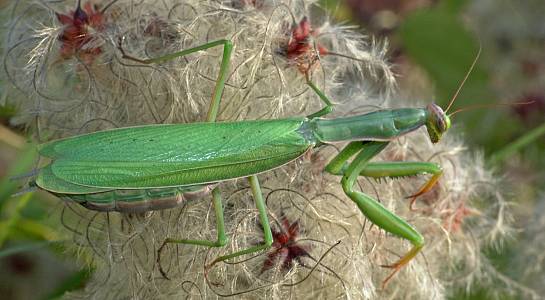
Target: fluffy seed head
point(67, 95)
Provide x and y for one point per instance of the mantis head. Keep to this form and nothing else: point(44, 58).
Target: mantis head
point(438, 122)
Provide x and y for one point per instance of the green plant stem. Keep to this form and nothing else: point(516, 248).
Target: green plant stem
point(518, 144)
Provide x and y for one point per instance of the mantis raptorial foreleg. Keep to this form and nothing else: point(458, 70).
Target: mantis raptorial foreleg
point(372, 209)
point(338, 165)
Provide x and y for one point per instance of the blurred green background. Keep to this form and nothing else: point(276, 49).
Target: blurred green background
point(432, 45)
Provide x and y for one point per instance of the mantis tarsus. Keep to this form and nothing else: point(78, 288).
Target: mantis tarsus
point(157, 166)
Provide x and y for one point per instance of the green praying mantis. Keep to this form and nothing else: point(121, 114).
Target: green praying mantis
point(151, 167)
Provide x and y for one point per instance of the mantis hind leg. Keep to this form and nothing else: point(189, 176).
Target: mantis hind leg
point(220, 228)
point(222, 77)
point(263, 219)
point(372, 209)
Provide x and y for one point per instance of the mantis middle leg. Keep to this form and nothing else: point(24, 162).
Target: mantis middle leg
point(222, 77)
point(328, 104)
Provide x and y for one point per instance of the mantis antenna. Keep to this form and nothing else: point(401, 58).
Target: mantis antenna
point(488, 105)
point(465, 78)
point(477, 105)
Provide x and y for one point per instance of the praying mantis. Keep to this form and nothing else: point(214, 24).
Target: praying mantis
point(151, 167)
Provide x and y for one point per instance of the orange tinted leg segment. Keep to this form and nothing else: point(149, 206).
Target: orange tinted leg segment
point(424, 189)
point(401, 263)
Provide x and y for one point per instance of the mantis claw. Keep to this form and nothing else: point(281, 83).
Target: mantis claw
point(207, 269)
point(424, 189)
point(412, 202)
point(387, 279)
point(398, 265)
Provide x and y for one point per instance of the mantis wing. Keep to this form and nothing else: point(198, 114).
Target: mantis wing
point(172, 155)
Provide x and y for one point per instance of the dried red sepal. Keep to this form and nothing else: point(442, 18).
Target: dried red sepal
point(454, 220)
point(285, 247)
point(76, 35)
point(300, 50)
